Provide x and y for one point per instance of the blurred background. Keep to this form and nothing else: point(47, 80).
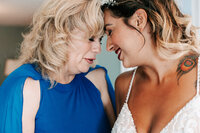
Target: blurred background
point(16, 15)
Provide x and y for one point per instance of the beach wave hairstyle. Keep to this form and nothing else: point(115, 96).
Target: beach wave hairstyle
point(53, 24)
point(172, 30)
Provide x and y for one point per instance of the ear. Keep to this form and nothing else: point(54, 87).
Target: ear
point(139, 19)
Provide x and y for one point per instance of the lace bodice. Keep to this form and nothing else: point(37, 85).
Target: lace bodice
point(187, 120)
point(124, 122)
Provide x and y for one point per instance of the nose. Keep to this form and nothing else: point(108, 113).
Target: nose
point(96, 47)
point(109, 45)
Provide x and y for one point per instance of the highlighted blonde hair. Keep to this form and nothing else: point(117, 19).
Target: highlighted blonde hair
point(172, 30)
point(52, 27)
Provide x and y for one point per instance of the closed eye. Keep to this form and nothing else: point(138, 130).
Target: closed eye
point(91, 39)
point(100, 39)
point(109, 32)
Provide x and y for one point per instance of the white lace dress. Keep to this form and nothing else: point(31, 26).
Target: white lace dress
point(187, 120)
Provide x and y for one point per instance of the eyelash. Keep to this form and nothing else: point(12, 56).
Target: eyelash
point(92, 39)
point(100, 39)
point(109, 32)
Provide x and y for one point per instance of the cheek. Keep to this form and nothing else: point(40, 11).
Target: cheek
point(122, 38)
point(116, 38)
point(73, 58)
point(83, 49)
point(135, 43)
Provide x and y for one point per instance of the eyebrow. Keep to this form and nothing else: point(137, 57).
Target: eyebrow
point(106, 26)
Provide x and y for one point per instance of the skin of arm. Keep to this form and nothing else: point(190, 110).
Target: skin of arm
point(97, 77)
point(31, 101)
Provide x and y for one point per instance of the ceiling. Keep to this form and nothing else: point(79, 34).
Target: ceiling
point(17, 12)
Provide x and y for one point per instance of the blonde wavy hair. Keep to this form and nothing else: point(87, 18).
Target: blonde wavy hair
point(172, 30)
point(52, 28)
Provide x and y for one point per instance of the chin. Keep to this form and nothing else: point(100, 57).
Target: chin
point(127, 65)
point(84, 69)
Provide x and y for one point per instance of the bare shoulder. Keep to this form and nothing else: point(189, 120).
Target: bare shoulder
point(97, 77)
point(121, 88)
point(31, 88)
point(122, 82)
point(31, 101)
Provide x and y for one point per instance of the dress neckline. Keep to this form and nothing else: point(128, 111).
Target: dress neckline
point(177, 113)
point(171, 120)
point(69, 86)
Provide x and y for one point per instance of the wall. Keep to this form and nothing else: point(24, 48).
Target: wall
point(110, 61)
point(10, 38)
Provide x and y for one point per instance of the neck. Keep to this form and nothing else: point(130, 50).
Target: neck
point(159, 70)
point(63, 77)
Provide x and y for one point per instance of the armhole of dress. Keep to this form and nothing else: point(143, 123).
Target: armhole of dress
point(41, 97)
point(198, 67)
point(130, 86)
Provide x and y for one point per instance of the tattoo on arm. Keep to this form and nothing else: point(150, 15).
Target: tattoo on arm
point(186, 65)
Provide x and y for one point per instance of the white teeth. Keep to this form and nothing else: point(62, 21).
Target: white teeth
point(118, 52)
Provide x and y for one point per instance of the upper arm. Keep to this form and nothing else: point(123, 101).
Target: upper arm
point(121, 88)
point(31, 100)
point(98, 78)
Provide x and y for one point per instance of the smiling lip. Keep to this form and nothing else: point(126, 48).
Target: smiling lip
point(118, 52)
point(119, 56)
point(90, 60)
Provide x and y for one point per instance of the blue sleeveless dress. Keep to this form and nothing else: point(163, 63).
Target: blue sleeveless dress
point(66, 108)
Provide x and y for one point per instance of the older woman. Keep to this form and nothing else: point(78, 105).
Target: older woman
point(162, 94)
point(55, 90)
